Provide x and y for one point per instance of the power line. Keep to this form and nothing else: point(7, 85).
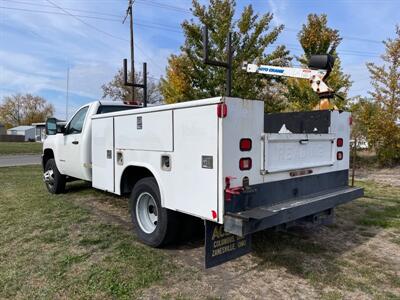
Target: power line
point(100, 30)
point(69, 9)
point(164, 6)
point(138, 23)
point(157, 25)
point(161, 27)
point(57, 13)
point(87, 24)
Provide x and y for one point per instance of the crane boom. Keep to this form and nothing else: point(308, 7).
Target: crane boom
point(315, 77)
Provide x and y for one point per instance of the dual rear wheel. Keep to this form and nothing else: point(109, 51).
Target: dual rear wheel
point(154, 225)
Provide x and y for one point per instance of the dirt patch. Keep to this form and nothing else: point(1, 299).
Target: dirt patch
point(384, 176)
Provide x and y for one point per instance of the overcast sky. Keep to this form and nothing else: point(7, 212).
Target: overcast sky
point(39, 40)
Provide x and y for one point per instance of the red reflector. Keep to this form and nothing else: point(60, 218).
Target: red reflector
point(245, 163)
point(339, 142)
point(350, 120)
point(222, 110)
point(245, 144)
point(339, 155)
point(214, 214)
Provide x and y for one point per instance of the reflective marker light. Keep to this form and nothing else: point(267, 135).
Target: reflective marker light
point(245, 163)
point(245, 144)
point(339, 155)
point(222, 110)
point(339, 142)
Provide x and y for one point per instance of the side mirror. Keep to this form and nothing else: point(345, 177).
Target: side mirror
point(324, 62)
point(54, 126)
point(51, 126)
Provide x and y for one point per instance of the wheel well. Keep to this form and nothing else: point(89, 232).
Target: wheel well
point(131, 176)
point(47, 154)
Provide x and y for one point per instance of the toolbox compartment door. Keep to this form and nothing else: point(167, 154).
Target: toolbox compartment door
point(103, 152)
point(288, 151)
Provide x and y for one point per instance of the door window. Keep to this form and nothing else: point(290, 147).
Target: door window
point(76, 124)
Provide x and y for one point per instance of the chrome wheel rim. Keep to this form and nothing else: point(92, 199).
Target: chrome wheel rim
point(48, 177)
point(146, 212)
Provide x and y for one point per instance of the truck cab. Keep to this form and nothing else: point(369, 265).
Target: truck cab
point(69, 146)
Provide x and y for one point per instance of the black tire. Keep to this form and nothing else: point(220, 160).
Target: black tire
point(166, 225)
point(55, 181)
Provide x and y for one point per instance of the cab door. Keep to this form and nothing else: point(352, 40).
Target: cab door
point(71, 162)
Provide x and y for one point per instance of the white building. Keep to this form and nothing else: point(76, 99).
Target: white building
point(40, 131)
point(27, 131)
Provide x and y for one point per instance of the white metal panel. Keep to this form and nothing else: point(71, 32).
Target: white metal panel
point(287, 151)
point(147, 131)
point(187, 187)
point(195, 188)
point(341, 128)
point(103, 154)
point(245, 119)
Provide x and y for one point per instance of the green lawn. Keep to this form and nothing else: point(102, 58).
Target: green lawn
point(57, 247)
point(7, 148)
point(51, 248)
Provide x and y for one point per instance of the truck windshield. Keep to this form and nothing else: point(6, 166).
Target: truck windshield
point(112, 108)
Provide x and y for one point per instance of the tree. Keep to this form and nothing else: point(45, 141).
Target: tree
point(117, 91)
point(363, 111)
point(385, 79)
point(24, 110)
point(188, 78)
point(316, 37)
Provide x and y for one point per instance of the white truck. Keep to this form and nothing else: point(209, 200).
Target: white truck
point(220, 159)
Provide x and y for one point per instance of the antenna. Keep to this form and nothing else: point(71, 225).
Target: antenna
point(227, 65)
point(143, 86)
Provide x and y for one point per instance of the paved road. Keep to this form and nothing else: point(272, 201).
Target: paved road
point(19, 160)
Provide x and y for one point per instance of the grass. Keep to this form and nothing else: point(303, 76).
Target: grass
point(382, 206)
point(8, 148)
point(51, 248)
point(336, 259)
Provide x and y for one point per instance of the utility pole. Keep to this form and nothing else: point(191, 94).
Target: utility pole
point(129, 12)
point(67, 96)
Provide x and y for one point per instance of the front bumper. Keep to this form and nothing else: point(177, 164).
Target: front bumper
point(244, 222)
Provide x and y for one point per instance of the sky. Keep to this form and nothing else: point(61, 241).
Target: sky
point(41, 39)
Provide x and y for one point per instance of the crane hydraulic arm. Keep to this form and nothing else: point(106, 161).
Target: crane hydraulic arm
point(320, 67)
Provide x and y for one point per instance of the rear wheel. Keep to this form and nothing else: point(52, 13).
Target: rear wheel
point(54, 180)
point(154, 225)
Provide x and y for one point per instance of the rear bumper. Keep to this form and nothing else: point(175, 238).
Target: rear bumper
point(259, 218)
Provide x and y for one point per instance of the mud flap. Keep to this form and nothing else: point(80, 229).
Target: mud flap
point(221, 246)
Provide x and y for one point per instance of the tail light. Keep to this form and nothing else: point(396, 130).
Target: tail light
point(222, 110)
point(339, 155)
point(245, 144)
point(245, 163)
point(339, 142)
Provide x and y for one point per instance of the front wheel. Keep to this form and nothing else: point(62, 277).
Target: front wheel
point(54, 180)
point(154, 225)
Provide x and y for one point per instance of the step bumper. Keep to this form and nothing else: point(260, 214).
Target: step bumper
point(263, 217)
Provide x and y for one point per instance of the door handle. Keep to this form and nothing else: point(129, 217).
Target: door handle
point(75, 142)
